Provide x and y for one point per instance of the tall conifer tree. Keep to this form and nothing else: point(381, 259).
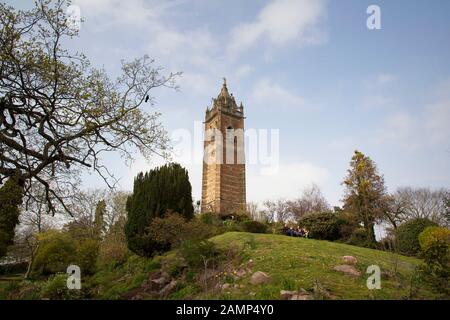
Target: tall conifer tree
point(164, 189)
point(365, 193)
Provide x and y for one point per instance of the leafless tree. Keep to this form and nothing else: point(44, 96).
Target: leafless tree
point(254, 213)
point(409, 203)
point(276, 211)
point(311, 201)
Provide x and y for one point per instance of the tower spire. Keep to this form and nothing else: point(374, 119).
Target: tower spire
point(224, 92)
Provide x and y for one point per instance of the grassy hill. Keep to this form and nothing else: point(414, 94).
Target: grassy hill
point(294, 264)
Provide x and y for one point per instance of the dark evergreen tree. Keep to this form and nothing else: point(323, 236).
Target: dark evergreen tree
point(164, 189)
point(11, 194)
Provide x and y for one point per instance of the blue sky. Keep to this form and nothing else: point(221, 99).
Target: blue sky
point(309, 68)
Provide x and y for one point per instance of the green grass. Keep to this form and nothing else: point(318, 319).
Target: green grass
point(295, 263)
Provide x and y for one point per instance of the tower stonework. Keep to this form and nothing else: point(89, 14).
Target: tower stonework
point(223, 184)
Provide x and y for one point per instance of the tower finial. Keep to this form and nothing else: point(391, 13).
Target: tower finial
point(224, 81)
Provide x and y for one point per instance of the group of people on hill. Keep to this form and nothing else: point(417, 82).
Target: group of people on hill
point(295, 231)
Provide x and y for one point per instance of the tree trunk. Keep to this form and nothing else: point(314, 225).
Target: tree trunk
point(30, 263)
point(371, 239)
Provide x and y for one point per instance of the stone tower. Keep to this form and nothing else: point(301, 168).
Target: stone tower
point(223, 185)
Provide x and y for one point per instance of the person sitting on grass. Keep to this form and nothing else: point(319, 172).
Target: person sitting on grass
point(306, 233)
point(302, 232)
point(291, 232)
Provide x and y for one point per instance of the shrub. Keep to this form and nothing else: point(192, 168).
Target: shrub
point(197, 253)
point(348, 225)
point(168, 231)
point(323, 225)
point(14, 267)
point(230, 225)
point(254, 226)
point(112, 252)
point(87, 253)
point(407, 235)
point(210, 218)
point(387, 243)
point(57, 250)
point(435, 250)
point(56, 288)
point(358, 238)
point(198, 230)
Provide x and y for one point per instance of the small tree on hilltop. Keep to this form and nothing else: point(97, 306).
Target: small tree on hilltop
point(164, 189)
point(365, 193)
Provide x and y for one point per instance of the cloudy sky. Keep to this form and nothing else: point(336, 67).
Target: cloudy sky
point(309, 68)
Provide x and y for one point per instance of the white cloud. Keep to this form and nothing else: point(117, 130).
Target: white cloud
point(288, 182)
point(267, 93)
point(243, 71)
point(117, 12)
point(281, 22)
point(384, 78)
point(400, 128)
point(438, 121)
point(379, 101)
point(199, 84)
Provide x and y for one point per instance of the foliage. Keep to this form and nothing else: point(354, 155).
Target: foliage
point(155, 193)
point(57, 250)
point(407, 235)
point(87, 253)
point(113, 249)
point(168, 231)
point(365, 193)
point(196, 229)
point(435, 250)
point(358, 238)
point(79, 229)
point(210, 218)
point(254, 226)
point(172, 230)
point(322, 225)
point(198, 253)
point(56, 288)
point(11, 194)
point(15, 267)
point(112, 252)
point(348, 225)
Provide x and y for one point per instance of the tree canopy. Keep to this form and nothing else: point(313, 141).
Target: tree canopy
point(60, 115)
point(365, 193)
